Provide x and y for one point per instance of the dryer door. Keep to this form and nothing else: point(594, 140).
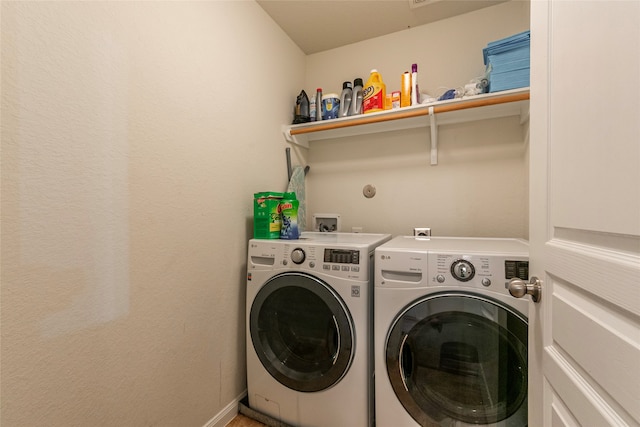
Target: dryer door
point(302, 332)
point(460, 357)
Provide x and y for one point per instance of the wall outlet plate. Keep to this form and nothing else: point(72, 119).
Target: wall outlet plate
point(326, 222)
point(422, 232)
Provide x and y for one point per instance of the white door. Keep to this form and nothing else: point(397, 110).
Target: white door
point(585, 213)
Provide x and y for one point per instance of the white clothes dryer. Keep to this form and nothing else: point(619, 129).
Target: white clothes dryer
point(309, 328)
point(450, 341)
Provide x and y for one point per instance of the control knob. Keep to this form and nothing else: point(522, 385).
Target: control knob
point(462, 270)
point(298, 256)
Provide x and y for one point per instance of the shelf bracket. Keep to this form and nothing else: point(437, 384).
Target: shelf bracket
point(434, 137)
point(293, 139)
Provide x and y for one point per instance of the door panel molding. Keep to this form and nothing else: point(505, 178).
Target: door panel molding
point(609, 274)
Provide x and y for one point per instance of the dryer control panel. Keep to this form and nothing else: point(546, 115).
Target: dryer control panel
point(342, 256)
point(334, 261)
point(451, 262)
point(477, 270)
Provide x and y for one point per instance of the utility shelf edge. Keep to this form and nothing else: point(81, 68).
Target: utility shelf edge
point(411, 117)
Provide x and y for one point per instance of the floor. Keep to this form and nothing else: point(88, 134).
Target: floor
point(244, 421)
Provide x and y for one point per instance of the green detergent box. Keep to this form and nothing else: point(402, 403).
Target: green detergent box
point(266, 215)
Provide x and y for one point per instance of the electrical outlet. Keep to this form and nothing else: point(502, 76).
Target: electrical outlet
point(422, 232)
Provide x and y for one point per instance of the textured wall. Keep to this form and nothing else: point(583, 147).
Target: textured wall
point(480, 185)
point(133, 137)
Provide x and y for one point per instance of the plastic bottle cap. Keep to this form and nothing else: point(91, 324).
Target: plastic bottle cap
point(346, 85)
point(357, 82)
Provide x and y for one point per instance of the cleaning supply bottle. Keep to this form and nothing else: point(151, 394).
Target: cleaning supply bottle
point(345, 99)
point(405, 89)
point(415, 91)
point(312, 109)
point(318, 104)
point(356, 98)
point(388, 101)
point(330, 106)
point(374, 93)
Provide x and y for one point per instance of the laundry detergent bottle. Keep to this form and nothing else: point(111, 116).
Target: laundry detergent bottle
point(374, 93)
point(345, 99)
point(356, 98)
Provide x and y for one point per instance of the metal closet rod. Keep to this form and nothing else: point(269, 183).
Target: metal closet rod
point(399, 114)
point(289, 170)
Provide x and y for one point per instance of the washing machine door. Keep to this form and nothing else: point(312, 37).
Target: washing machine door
point(459, 358)
point(302, 332)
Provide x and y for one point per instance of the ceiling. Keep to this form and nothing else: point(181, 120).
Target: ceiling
point(319, 25)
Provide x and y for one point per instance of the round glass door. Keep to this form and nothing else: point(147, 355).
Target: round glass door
point(456, 357)
point(302, 332)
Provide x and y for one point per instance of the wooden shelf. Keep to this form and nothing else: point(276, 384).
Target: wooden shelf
point(481, 107)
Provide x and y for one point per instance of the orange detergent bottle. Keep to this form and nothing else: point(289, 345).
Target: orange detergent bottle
point(374, 93)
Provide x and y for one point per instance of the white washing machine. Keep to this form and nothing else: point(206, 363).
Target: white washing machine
point(309, 328)
point(450, 341)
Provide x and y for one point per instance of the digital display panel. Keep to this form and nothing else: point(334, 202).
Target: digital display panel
point(342, 256)
point(519, 269)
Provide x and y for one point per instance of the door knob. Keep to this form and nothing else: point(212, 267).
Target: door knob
point(519, 288)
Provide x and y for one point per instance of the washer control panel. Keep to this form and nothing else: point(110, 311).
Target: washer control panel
point(476, 270)
point(451, 262)
point(335, 261)
point(342, 256)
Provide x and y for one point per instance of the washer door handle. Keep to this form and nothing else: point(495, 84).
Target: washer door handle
point(404, 357)
point(335, 355)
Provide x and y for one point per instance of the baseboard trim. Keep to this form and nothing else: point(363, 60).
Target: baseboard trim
point(227, 414)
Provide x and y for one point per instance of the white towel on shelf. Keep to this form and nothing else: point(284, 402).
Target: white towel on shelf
point(296, 185)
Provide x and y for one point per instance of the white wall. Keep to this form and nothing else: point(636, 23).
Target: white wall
point(134, 135)
point(478, 188)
